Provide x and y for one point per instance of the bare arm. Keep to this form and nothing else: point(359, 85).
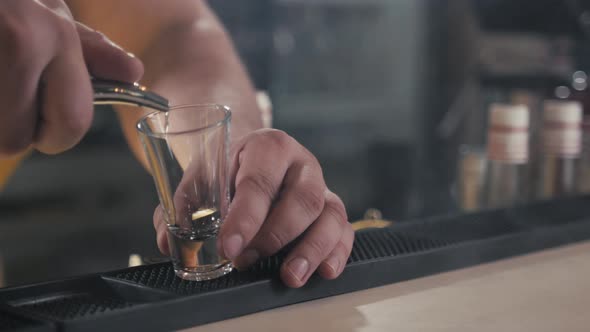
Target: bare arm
point(187, 55)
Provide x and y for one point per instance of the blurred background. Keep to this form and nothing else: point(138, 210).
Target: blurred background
point(390, 95)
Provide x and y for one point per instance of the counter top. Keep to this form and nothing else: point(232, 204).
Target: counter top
point(545, 291)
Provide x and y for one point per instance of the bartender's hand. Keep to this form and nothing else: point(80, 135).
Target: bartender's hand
point(279, 196)
point(45, 60)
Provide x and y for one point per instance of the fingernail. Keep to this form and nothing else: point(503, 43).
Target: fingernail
point(333, 263)
point(248, 258)
point(232, 246)
point(299, 267)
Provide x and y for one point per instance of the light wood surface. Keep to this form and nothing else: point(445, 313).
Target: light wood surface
point(545, 291)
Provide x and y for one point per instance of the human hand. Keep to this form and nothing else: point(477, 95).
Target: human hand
point(280, 196)
point(45, 61)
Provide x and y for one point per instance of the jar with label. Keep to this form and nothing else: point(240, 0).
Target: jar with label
point(508, 152)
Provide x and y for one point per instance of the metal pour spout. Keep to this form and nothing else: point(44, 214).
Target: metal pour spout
point(113, 92)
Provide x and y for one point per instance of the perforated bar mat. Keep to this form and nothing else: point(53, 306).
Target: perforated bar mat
point(151, 298)
point(11, 320)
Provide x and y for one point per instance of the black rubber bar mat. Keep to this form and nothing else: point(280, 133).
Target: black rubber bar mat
point(12, 320)
point(151, 298)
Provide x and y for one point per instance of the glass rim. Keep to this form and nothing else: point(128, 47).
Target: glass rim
point(140, 125)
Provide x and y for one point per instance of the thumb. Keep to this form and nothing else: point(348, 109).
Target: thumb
point(106, 59)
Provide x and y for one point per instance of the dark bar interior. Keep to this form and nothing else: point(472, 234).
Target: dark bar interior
point(456, 133)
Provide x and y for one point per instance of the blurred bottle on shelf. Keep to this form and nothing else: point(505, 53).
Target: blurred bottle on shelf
point(506, 180)
point(562, 145)
point(583, 177)
point(579, 90)
point(532, 98)
point(471, 177)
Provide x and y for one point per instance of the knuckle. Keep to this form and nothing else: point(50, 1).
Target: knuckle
point(278, 138)
point(15, 37)
point(311, 199)
point(311, 159)
point(260, 184)
point(313, 167)
point(336, 209)
point(66, 30)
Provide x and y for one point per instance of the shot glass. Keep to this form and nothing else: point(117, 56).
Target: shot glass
point(187, 149)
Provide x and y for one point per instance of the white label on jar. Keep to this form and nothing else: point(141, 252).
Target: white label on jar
point(508, 146)
point(563, 140)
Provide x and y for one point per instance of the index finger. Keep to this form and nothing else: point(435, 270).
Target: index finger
point(258, 179)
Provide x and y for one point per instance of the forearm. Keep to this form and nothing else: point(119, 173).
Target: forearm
point(187, 54)
point(194, 62)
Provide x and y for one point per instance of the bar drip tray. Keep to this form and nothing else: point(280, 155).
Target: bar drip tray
point(151, 298)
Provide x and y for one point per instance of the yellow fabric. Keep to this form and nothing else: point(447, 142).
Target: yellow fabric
point(9, 165)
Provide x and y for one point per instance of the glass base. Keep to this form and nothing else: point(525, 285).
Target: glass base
point(203, 273)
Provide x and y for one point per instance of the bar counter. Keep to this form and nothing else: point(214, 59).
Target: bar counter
point(543, 291)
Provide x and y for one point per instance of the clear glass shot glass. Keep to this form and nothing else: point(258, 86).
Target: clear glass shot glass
point(187, 149)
